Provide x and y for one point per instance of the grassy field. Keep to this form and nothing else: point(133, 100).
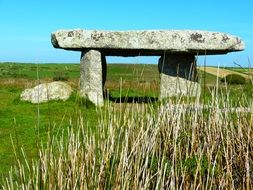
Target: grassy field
point(19, 120)
point(247, 71)
point(222, 72)
point(76, 120)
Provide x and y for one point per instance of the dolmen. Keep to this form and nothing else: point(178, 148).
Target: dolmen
point(177, 50)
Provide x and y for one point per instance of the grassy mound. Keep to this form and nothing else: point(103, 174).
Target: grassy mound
point(233, 79)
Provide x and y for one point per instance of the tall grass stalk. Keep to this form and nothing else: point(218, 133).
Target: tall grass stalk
point(145, 146)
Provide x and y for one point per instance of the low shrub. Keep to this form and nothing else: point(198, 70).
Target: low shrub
point(233, 79)
point(60, 76)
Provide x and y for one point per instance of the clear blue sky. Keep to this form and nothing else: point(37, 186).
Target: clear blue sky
point(26, 25)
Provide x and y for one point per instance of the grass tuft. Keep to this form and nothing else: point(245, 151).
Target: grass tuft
point(142, 146)
point(138, 143)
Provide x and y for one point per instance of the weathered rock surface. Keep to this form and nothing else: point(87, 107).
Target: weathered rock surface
point(91, 86)
point(178, 75)
point(176, 86)
point(148, 42)
point(47, 91)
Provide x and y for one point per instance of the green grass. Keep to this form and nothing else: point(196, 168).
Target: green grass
point(19, 120)
point(133, 72)
point(206, 78)
point(143, 146)
point(29, 70)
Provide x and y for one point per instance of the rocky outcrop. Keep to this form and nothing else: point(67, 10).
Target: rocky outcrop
point(47, 91)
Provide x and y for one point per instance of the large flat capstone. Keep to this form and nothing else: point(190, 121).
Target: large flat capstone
point(147, 42)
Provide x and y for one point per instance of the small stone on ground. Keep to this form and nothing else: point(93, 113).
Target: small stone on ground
point(48, 91)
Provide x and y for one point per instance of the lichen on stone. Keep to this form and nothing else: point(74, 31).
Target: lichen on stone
point(197, 37)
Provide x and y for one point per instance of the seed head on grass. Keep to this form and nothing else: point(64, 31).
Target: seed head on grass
point(175, 145)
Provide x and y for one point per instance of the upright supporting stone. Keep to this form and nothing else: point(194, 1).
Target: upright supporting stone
point(91, 77)
point(178, 75)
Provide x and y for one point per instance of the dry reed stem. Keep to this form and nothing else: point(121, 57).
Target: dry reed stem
point(145, 147)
